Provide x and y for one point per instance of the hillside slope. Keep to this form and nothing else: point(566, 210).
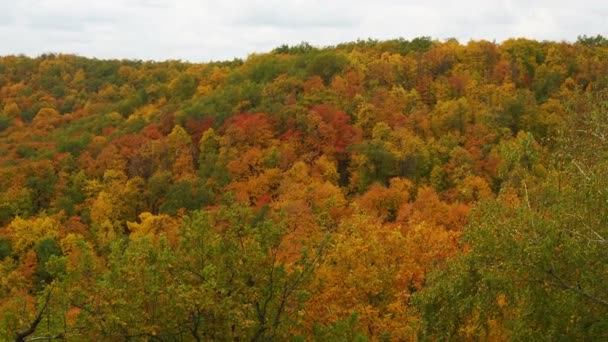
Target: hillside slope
point(307, 193)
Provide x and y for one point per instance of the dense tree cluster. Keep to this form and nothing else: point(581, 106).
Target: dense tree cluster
point(374, 190)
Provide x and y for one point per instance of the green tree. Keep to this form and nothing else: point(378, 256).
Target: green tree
point(237, 288)
point(5, 122)
point(536, 266)
point(326, 65)
point(45, 248)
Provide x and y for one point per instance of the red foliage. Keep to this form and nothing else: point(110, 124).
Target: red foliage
point(74, 225)
point(166, 124)
point(153, 131)
point(249, 129)
point(262, 201)
point(128, 145)
point(108, 130)
point(342, 134)
point(196, 127)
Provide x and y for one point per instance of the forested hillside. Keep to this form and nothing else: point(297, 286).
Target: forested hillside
point(376, 190)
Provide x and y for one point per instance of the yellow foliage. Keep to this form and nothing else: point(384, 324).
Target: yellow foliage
point(361, 274)
point(47, 117)
point(501, 300)
point(26, 233)
point(12, 109)
point(148, 112)
point(183, 167)
point(383, 202)
point(149, 225)
point(114, 117)
point(327, 169)
point(178, 138)
point(328, 197)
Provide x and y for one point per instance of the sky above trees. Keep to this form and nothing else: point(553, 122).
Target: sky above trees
point(207, 30)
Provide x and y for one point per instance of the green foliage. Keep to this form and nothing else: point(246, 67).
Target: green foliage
point(299, 49)
point(310, 183)
point(239, 270)
point(222, 281)
point(265, 68)
point(237, 96)
point(45, 249)
point(326, 65)
point(183, 87)
point(28, 113)
point(134, 125)
point(5, 122)
point(42, 187)
point(438, 179)
point(401, 46)
point(538, 268)
point(73, 195)
point(186, 194)
point(342, 331)
point(128, 105)
point(15, 204)
point(379, 165)
point(24, 151)
point(5, 248)
point(74, 145)
point(592, 41)
point(549, 265)
point(211, 169)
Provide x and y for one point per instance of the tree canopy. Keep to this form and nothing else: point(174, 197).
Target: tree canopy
point(373, 190)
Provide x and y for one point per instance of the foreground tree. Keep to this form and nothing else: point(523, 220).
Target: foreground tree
point(536, 265)
point(221, 279)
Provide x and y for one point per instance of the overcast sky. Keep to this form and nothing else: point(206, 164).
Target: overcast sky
point(203, 30)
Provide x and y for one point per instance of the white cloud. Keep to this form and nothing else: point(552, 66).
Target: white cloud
point(202, 30)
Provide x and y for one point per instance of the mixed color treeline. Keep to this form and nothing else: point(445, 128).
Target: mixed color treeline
point(376, 190)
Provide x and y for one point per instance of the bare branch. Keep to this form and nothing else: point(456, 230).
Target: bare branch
point(21, 337)
point(580, 169)
point(527, 198)
point(576, 289)
point(56, 337)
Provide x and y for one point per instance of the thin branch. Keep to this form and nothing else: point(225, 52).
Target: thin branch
point(196, 321)
point(101, 321)
point(56, 337)
point(580, 169)
point(289, 290)
point(32, 328)
point(577, 289)
point(527, 198)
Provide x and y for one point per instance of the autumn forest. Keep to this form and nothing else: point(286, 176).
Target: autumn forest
point(400, 190)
